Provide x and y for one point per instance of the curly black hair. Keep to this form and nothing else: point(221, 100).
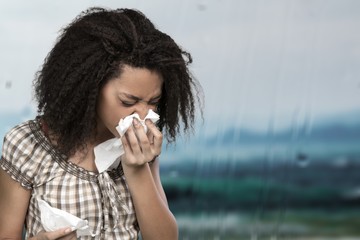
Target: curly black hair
point(91, 50)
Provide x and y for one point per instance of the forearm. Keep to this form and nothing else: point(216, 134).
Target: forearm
point(154, 167)
point(154, 217)
point(10, 238)
point(14, 202)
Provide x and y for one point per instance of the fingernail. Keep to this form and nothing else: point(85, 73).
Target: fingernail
point(69, 230)
point(136, 122)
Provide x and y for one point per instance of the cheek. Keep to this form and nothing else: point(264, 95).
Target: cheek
point(119, 113)
point(111, 114)
point(113, 118)
point(107, 112)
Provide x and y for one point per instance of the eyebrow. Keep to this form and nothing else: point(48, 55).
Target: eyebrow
point(137, 98)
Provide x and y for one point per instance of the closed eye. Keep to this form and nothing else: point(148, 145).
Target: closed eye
point(154, 103)
point(127, 104)
point(131, 102)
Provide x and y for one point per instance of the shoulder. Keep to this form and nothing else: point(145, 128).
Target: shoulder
point(20, 155)
point(19, 132)
point(19, 138)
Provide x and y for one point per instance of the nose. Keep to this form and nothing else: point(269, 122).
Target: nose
point(142, 110)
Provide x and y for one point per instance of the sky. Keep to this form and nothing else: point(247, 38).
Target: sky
point(260, 62)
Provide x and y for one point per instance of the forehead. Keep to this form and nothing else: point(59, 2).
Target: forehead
point(139, 82)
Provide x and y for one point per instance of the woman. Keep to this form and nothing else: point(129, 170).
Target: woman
point(106, 65)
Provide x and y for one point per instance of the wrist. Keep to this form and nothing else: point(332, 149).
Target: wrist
point(130, 170)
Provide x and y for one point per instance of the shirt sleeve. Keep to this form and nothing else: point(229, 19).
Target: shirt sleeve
point(16, 158)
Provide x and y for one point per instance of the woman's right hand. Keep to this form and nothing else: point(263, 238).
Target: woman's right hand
point(61, 234)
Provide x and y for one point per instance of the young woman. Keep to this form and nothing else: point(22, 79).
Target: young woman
point(106, 65)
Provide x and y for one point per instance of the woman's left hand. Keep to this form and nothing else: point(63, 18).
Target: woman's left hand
point(140, 147)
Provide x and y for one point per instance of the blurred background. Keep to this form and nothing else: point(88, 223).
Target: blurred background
point(278, 153)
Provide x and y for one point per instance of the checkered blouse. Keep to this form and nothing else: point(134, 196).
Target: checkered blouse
point(102, 199)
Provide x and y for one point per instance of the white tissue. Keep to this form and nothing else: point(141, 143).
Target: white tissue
point(53, 219)
point(107, 153)
point(125, 123)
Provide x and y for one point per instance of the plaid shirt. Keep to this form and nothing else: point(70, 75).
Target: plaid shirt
point(102, 199)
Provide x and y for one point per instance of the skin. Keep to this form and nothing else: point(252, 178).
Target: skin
point(136, 90)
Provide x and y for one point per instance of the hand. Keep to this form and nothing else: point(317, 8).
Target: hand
point(140, 147)
point(61, 234)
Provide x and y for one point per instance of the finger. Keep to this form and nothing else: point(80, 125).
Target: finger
point(58, 233)
point(150, 136)
point(126, 143)
point(71, 236)
point(133, 141)
point(157, 135)
point(142, 137)
point(128, 156)
point(146, 152)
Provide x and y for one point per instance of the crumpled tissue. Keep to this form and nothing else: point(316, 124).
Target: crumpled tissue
point(107, 154)
point(53, 219)
point(125, 123)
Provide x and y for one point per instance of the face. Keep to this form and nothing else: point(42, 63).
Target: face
point(136, 90)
